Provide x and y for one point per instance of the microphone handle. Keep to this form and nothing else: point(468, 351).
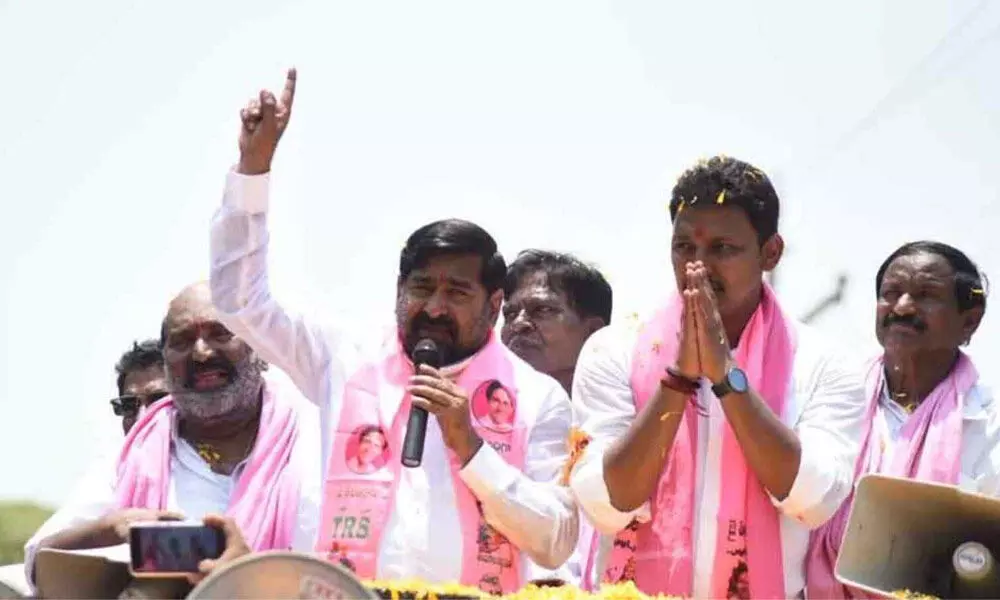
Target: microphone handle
point(413, 443)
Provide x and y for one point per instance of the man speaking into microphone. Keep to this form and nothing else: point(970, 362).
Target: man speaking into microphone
point(475, 502)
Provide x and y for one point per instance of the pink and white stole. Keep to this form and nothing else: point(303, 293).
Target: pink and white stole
point(357, 506)
point(659, 555)
point(929, 448)
point(265, 501)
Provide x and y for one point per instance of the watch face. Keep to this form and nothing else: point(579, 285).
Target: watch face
point(738, 380)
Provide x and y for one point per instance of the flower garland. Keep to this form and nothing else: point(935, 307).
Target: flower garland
point(911, 595)
point(413, 589)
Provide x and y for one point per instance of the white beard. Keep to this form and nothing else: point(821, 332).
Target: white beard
point(240, 396)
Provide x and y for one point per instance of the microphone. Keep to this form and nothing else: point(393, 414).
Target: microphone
point(424, 353)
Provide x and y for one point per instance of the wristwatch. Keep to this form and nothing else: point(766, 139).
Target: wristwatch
point(735, 380)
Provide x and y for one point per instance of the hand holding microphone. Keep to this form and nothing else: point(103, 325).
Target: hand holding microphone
point(424, 353)
point(433, 393)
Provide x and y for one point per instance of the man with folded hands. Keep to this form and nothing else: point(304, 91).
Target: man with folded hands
point(720, 430)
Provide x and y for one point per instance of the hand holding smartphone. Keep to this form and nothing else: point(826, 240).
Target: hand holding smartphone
point(172, 548)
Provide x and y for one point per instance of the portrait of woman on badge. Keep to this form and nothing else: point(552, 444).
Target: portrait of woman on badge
point(494, 407)
point(368, 450)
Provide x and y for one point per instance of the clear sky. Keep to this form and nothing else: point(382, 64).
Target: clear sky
point(553, 124)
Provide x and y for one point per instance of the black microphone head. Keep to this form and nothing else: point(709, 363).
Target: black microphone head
point(426, 352)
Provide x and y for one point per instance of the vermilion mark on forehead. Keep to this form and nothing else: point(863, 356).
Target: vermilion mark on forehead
point(699, 233)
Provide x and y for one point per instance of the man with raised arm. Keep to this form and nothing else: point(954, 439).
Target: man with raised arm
point(485, 507)
point(720, 430)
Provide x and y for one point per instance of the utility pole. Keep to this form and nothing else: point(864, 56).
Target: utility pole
point(834, 298)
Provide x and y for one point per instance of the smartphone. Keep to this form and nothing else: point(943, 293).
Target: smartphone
point(172, 548)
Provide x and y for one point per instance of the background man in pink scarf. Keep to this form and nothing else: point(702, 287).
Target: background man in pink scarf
point(394, 522)
point(721, 431)
point(228, 440)
point(929, 415)
point(553, 302)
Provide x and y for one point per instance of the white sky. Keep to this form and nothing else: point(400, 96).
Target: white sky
point(552, 124)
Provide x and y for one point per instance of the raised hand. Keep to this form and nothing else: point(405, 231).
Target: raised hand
point(264, 119)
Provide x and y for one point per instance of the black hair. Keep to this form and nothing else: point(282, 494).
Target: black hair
point(492, 387)
point(586, 289)
point(450, 237)
point(141, 356)
point(371, 429)
point(971, 285)
point(723, 180)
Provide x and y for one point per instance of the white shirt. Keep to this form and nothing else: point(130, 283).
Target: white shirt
point(422, 538)
point(825, 407)
point(980, 458)
point(194, 489)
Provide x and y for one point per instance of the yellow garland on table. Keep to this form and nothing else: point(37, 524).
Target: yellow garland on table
point(913, 595)
point(421, 590)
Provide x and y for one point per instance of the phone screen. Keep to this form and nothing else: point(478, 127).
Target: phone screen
point(173, 548)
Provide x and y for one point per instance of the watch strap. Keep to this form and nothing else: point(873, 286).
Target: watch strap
point(722, 388)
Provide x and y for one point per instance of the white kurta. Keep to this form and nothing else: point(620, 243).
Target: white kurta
point(194, 489)
point(422, 538)
point(980, 460)
point(825, 407)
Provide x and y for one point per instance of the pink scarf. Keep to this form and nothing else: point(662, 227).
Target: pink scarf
point(929, 448)
point(659, 556)
point(360, 490)
point(265, 500)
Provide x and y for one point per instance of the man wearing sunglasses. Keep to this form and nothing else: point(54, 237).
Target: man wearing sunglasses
point(141, 381)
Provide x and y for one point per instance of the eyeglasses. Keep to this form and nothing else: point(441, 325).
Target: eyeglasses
point(130, 404)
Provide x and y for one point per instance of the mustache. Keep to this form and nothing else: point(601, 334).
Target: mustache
point(909, 320)
point(524, 340)
point(215, 364)
point(424, 320)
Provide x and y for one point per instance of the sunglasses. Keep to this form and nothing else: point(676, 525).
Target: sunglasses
point(131, 403)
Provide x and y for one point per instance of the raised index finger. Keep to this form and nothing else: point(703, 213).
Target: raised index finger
point(288, 94)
